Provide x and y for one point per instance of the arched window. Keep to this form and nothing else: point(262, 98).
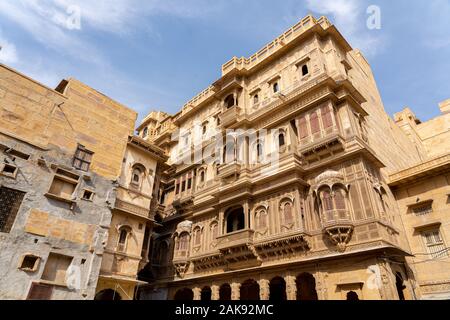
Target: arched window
point(255, 99)
point(182, 245)
point(230, 101)
point(137, 176)
point(315, 127)
point(281, 140)
point(124, 233)
point(261, 219)
point(327, 201)
point(214, 231)
point(202, 176)
point(339, 199)
point(287, 213)
point(259, 150)
point(197, 237)
point(352, 296)
point(305, 70)
point(276, 87)
point(235, 219)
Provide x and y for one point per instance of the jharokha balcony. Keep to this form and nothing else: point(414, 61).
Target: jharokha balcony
point(237, 249)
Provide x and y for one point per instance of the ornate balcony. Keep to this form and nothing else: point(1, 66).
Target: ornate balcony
point(230, 116)
point(237, 248)
point(229, 169)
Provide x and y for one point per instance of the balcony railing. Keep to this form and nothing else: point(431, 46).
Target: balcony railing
point(229, 169)
point(235, 239)
point(230, 116)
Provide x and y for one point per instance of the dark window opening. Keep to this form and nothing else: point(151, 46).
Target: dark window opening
point(83, 158)
point(255, 99)
point(249, 291)
point(9, 169)
point(352, 296)
point(225, 292)
point(145, 132)
point(235, 219)
point(10, 201)
point(108, 295)
point(183, 186)
point(305, 70)
point(189, 183)
point(184, 295)
point(29, 262)
point(277, 289)
point(206, 294)
point(202, 176)
point(88, 195)
point(281, 140)
point(306, 287)
point(230, 101)
point(276, 87)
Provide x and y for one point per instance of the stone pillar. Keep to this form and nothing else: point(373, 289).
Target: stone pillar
point(197, 293)
point(215, 295)
point(321, 285)
point(291, 287)
point(235, 291)
point(264, 289)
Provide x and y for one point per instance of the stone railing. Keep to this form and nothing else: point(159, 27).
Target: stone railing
point(287, 37)
point(235, 239)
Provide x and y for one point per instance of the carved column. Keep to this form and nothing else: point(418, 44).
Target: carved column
point(235, 291)
point(387, 290)
point(264, 289)
point(197, 293)
point(215, 292)
point(321, 285)
point(291, 288)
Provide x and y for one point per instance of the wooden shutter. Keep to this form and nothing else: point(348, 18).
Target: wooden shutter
point(303, 128)
point(315, 127)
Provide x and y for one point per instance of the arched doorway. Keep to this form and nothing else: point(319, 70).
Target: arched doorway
point(352, 296)
point(108, 294)
point(235, 219)
point(250, 290)
point(206, 294)
point(277, 289)
point(184, 295)
point(399, 283)
point(225, 292)
point(306, 287)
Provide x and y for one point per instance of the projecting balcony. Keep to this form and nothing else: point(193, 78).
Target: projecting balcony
point(235, 239)
point(229, 169)
point(230, 116)
point(329, 143)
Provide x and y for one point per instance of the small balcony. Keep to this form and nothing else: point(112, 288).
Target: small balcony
point(229, 169)
point(230, 116)
point(235, 239)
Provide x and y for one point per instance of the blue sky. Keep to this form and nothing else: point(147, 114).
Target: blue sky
point(157, 54)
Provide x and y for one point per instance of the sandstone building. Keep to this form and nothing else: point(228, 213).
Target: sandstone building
point(63, 199)
point(332, 220)
point(284, 179)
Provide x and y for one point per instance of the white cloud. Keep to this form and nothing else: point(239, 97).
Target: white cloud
point(8, 52)
point(47, 20)
point(349, 17)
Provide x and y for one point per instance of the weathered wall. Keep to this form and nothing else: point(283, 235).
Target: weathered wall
point(80, 115)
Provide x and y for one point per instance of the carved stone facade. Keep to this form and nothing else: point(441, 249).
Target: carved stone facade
point(321, 221)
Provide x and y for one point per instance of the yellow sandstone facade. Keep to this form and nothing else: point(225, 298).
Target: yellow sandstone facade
point(284, 179)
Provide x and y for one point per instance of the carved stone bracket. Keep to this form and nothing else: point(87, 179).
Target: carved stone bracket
point(340, 235)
